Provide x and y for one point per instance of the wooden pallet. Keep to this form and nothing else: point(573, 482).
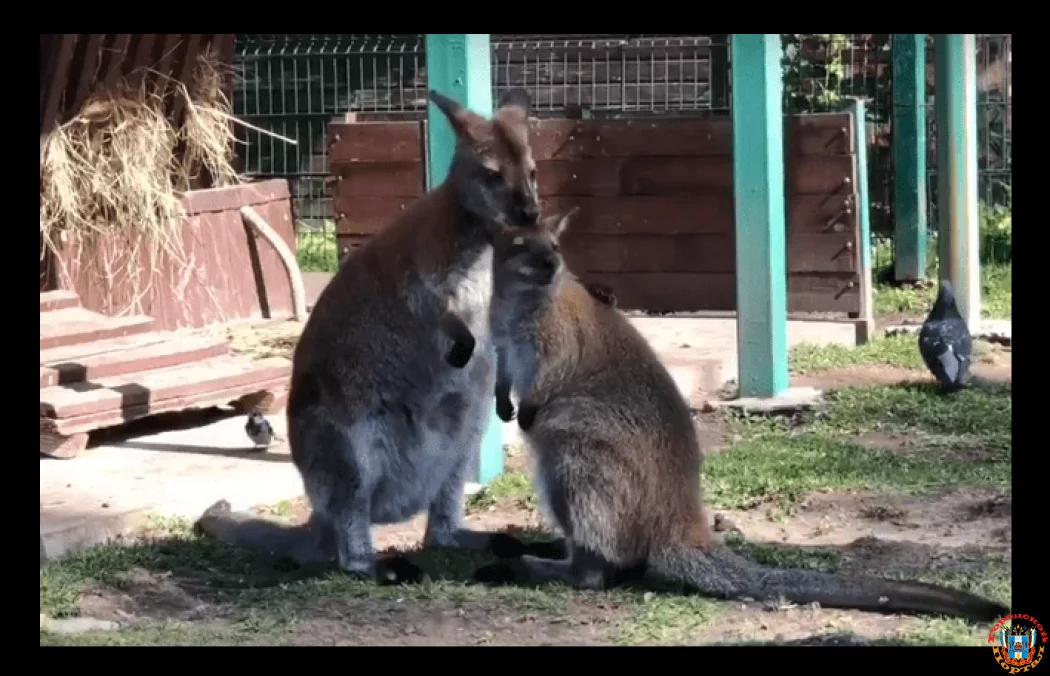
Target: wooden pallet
point(98, 371)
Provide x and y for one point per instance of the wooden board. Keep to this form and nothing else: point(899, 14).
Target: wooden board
point(58, 300)
point(809, 135)
point(78, 325)
point(393, 179)
point(154, 351)
point(634, 215)
point(274, 391)
point(362, 142)
point(681, 176)
point(402, 141)
point(698, 253)
point(692, 292)
point(121, 392)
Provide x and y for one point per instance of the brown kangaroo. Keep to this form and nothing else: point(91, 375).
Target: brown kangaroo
point(617, 459)
point(384, 419)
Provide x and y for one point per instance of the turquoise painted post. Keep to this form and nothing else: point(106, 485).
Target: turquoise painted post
point(909, 156)
point(459, 66)
point(955, 107)
point(758, 185)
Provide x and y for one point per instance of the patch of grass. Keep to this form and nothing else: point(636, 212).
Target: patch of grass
point(938, 631)
point(510, 488)
point(786, 556)
point(170, 634)
point(996, 295)
point(776, 463)
point(666, 619)
point(316, 250)
point(900, 351)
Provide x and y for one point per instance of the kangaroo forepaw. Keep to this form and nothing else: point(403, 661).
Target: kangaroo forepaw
point(495, 574)
point(505, 546)
point(461, 352)
point(527, 415)
point(398, 570)
point(504, 409)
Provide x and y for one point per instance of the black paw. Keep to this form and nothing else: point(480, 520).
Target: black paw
point(461, 352)
point(504, 409)
point(504, 546)
point(526, 416)
point(398, 570)
point(495, 573)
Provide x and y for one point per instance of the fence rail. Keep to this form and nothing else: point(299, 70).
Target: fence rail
point(294, 85)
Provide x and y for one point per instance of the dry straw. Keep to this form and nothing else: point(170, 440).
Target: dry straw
point(116, 170)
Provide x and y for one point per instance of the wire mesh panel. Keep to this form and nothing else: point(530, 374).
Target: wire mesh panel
point(820, 69)
point(609, 74)
point(293, 85)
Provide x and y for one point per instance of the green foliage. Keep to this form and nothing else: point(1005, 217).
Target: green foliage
point(996, 230)
point(814, 66)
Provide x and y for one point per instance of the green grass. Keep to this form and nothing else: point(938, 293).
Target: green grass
point(897, 350)
point(776, 465)
point(316, 250)
point(956, 441)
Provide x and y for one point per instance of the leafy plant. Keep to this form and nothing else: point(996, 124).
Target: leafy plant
point(814, 66)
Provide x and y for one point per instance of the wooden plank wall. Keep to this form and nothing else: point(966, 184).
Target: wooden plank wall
point(656, 219)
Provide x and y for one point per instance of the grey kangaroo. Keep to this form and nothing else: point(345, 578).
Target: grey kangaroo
point(385, 419)
point(617, 459)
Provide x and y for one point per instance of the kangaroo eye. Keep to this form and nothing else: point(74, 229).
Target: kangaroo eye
point(556, 248)
point(532, 174)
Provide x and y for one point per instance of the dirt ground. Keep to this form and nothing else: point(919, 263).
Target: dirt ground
point(951, 532)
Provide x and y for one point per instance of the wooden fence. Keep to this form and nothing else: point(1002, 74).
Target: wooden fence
point(656, 219)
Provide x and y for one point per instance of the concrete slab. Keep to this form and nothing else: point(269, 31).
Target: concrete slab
point(111, 489)
point(791, 399)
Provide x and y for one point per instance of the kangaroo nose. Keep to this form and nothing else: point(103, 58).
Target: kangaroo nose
point(530, 213)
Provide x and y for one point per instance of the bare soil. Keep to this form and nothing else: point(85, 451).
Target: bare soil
point(946, 532)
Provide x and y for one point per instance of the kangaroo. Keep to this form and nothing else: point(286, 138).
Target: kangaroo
point(616, 456)
point(383, 421)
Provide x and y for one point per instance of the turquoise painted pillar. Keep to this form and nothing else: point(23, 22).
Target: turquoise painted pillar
point(955, 108)
point(459, 66)
point(758, 185)
point(909, 156)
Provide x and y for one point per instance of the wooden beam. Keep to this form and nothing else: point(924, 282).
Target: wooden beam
point(459, 66)
point(955, 57)
point(909, 156)
point(758, 183)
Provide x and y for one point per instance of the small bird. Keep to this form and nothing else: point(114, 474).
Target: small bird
point(945, 342)
point(259, 430)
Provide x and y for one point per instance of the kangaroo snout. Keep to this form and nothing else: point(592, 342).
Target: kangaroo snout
point(529, 213)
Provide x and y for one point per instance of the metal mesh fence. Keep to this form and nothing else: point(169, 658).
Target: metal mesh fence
point(611, 74)
point(293, 85)
point(820, 69)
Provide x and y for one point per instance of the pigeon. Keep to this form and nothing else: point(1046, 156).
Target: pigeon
point(945, 342)
point(259, 430)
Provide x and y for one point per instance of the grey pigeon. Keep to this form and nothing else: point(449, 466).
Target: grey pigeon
point(259, 429)
point(944, 341)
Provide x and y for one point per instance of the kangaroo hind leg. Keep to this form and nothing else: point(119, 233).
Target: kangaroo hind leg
point(339, 476)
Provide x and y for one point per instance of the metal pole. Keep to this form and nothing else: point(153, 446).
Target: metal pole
point(955, 61)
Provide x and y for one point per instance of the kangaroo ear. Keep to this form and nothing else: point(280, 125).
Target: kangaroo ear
point(563, 222)
point(462, 120)
point(518, 98)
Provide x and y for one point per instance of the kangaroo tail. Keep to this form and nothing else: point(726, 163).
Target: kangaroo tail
point(718, 571)
point(306, 545)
